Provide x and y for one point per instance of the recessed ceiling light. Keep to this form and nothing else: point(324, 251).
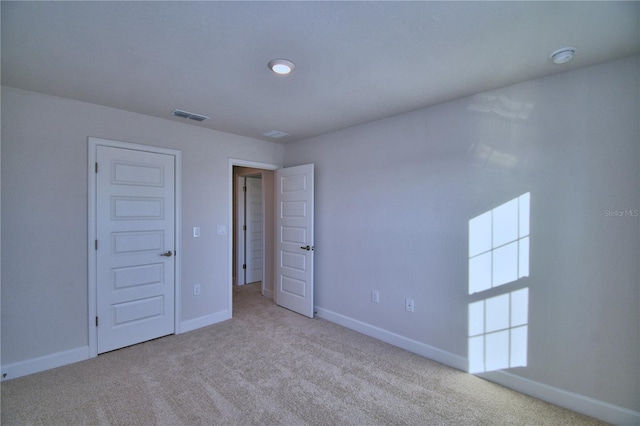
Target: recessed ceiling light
point(563, 55)
point(281, 66)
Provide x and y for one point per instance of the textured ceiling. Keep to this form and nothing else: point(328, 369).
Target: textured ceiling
point(355, 61)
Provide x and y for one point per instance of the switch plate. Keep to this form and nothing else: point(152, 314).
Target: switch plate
point(222, 230)
point(409, 305)
point(196, 289)
point(375, 296)
point(196, 231)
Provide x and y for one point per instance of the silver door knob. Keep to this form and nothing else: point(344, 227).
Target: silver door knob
point(167, 254)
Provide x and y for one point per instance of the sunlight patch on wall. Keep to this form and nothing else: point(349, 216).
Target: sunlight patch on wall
point(499, 245)
point(498, 332)
point(498, 256)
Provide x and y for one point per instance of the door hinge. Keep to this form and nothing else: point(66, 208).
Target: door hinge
point(96, 244)
point(244, 189)
point(244, 227)
point(96, 321)
point(96, 167)
point(244, 266)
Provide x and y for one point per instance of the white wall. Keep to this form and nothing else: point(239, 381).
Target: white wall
point(394, 197)
point(44, 215)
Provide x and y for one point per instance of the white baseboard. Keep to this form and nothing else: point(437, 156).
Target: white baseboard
point(394, 339)
point(46, 362)
point(582, 404)
point(196, 323)
point(59, 359)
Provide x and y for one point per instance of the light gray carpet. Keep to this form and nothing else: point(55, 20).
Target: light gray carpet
point(267, 366)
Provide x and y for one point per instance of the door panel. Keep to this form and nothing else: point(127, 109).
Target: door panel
point(294, 240)
point(239, 239)
point(254, 229)
point(135, 221)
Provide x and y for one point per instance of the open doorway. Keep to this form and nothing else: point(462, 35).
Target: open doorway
point(292, 244)
point(252, 248)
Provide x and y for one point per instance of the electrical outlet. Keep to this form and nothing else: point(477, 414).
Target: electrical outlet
point(375, 296)
point(409, 305)
point(196, 289)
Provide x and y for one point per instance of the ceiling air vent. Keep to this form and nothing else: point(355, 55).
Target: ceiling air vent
point(275, 134)
point(189, 115)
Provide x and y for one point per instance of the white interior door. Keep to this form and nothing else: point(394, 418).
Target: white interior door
point(135, 263)
point(294, 239)
point(254, 238)
point(240, 227)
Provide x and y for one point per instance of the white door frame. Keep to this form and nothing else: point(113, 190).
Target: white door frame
point(240, 163)
point(93, 143)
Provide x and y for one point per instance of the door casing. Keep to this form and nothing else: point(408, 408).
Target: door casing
point(93, 143)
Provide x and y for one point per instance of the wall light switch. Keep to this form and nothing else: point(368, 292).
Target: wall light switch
point(196, 231)
point(222, 230)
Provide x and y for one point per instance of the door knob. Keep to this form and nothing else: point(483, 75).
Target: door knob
point(167, 254)
point(307, 248)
